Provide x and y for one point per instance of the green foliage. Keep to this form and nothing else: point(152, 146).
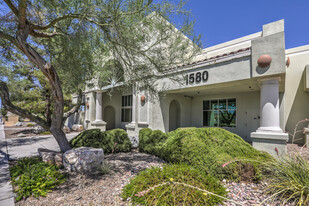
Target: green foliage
point(116, 140)
point(208, 149)
point(289, 180)
point(30, 125)
point(32, 177)
point(3, 112)
point(120, 140)
point(45, 133)
point(103, 168)
point(151, 141)
point(157, 186)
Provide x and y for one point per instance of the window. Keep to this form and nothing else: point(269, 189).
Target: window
point(126, 108)
point(219, 113)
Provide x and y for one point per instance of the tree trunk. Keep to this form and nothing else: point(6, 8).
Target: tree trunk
point(61, 139)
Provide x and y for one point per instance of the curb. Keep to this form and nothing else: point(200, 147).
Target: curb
point(6, 190)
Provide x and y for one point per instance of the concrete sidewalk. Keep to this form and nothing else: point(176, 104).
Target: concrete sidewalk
point(28, 146)
point(6, 191)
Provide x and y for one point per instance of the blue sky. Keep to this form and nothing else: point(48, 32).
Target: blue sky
point(224, 20)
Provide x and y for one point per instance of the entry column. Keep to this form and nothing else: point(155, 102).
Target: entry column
point(269, 136)
point(98, 122)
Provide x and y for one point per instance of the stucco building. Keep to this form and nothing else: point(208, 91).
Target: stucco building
point(251, 86)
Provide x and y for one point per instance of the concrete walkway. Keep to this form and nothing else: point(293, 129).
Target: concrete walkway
point(28, 146)
point(6, 191)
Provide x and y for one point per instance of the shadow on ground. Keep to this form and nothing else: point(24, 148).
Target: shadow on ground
point(25, 141)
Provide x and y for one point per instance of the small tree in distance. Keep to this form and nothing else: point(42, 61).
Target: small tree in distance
point(51, 48)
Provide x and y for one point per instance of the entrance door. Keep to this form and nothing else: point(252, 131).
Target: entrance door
point(252, 122)
point(109, 117)
point(174, 115)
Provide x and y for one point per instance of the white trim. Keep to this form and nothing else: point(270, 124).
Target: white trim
point(208, 62)
point(297, 50)
point(235, 42)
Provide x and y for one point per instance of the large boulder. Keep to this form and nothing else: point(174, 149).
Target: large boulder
point(66, 129)
point(77, 127)
point(82, 159)
point(50, 156)
point(38, 129)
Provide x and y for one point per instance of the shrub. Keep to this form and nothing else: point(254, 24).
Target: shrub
point(171, 186)
point(116, 140)
point(208, 149)
point(32, 177)
point(289, 180)
point(30, 125)
point(151, 141)
point(120, 140)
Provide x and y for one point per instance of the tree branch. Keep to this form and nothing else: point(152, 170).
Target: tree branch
point(22, 13)
point(7, 104)
point(12, 7)
point(43, 34)
point(75, 108)
point(9, 38)
point(55, 21)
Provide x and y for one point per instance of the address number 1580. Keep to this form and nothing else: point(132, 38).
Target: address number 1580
point(197, 77)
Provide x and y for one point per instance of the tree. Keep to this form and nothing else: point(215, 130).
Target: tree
point(58, 46)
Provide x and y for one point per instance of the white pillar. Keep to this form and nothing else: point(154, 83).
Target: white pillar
point(98, 107)
point(269, 136)
point(269, 105)
point(99, 123)
point(134, 104)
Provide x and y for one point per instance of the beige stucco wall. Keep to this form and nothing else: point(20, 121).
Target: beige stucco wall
point(296, 98)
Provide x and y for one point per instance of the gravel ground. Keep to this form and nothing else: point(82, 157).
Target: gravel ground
point(105, 190)
point(100, 190)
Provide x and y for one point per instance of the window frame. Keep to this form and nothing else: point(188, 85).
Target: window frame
point(218, 119)
point(126, 104)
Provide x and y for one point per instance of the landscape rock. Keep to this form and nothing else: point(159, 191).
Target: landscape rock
point(82, 159)
point(77, 127)
point(66, 129)
point(38, 129)
point(50, 156)
point(18, 124)
point(22, 135)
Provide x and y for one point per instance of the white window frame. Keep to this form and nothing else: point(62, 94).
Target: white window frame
point(126, 105)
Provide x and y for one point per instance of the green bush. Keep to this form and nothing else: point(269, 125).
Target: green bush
point(120, 140)
point(32, 177)
point(157, 186)
point(151, 141)
point(208, 149)
point(30, 125)
point(116, 140)
point(289, 180)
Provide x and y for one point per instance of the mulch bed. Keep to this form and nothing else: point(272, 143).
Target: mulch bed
point(83, 189)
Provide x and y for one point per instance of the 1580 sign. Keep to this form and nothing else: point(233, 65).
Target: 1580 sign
point(197, 77)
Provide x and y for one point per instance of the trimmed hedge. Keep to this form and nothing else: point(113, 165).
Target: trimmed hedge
point(151, 141)
point(209, 149)
point(158, 186)
point(112, 141)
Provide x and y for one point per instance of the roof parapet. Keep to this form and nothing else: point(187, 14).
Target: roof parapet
point(273, 27)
